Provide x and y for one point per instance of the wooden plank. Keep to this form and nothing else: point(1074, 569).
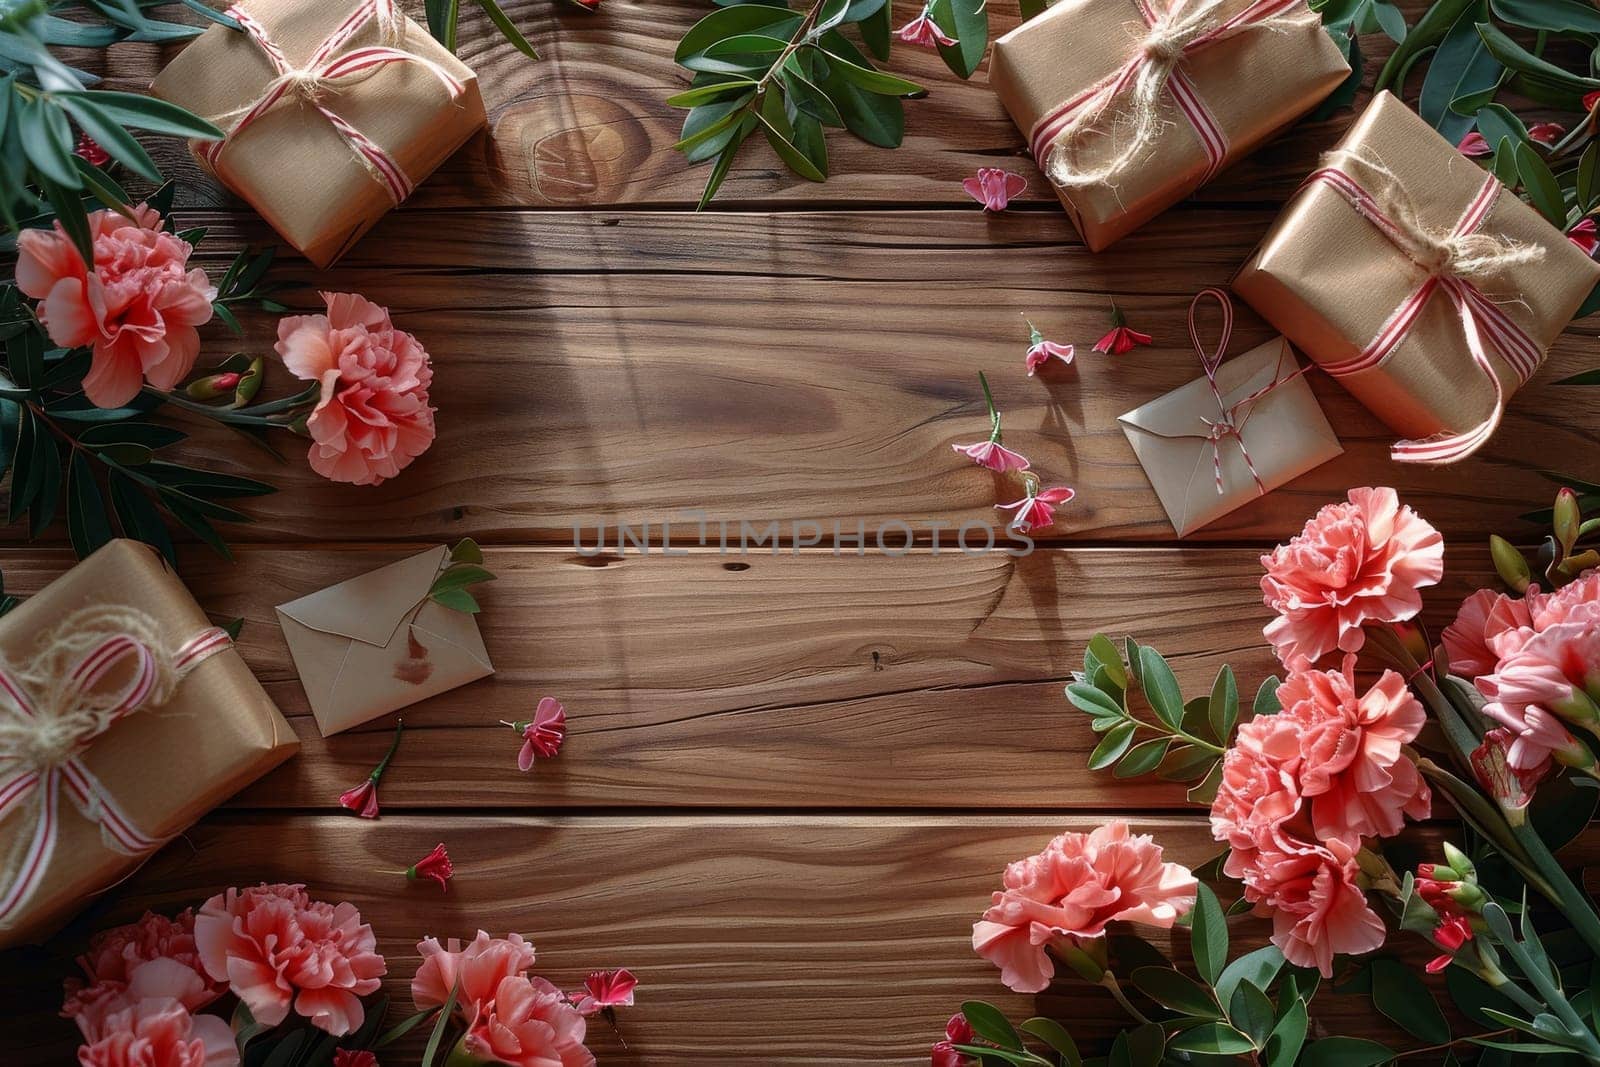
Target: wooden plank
point(803, 681)
point(783, 940)
point(602, 368)
point(589, 125)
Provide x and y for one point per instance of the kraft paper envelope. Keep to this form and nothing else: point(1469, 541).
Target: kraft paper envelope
point(376, 643)
point(1285, 432)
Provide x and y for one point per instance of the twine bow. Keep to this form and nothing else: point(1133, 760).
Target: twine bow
point(1450, 259)
point(99, 666)
point(329, 69)
point(1154, 68)
point(1231, 418)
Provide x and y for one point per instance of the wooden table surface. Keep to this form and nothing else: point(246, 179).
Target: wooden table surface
point(792, 778)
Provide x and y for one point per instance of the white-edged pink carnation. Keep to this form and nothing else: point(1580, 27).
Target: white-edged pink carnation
point(1362, 561)
point(1078, 884)
point(278, 949)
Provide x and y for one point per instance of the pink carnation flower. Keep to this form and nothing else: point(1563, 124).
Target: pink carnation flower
point(1072, 889)
point(1483, 616)
point(138, 307)
point(993, 187)
point(924, 31)
point(1350, 759)
point(114, 953)
point(147, 1024)
point(510, 1018)
point(1037, 510)
point(1258, 792)
point(372, 417)
point(277, 948)
point(1354, 563)
point(1315, 900)
point(993, 455)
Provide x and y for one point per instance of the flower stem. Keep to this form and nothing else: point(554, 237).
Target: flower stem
point(994, 413)
point(1573, 902)
point(1109, 981)
point(383, 764)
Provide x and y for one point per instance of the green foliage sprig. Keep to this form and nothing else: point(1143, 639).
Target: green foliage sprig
point(792, 73)
point(465, 568)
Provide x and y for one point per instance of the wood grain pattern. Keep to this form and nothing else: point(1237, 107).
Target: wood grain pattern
point(601, 368)
point(792, 681)
point(782, 940)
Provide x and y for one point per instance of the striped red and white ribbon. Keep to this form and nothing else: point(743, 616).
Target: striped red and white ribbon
point(329, 66)
point(1483, 323)
point(22, 780)
point(1213, 139)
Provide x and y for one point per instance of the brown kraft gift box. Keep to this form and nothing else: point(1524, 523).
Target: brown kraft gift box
point(291, 163)
point(165, 766)
point(1332, 281)
point(1254, 83)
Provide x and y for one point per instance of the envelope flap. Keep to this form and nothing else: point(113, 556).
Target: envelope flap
point(370, 607)
point(1180, 412)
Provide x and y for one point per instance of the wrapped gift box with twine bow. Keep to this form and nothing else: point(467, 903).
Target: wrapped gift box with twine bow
point(333, 111)
point(125, 715)
point(1131, 105)
point(1418, 281)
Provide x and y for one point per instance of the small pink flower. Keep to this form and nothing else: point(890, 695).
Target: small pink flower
point(1041, 351)
point(138, 305)
point(993, 455)
point(1475, 146)
point(344, 1057)
point(924, 31)
point(1072, 889)
point(1452, 932)
point(91, 152)
point(372, 416)
point(1546, 133)
point(1038, 510)
point(993, 187)
point(1354, 563)
point(1121, 338)
point(435, 865)
point(604, 990)
point(956, 1032)
point(363, 799)
point(1584, 236)
point(543, 734)
point(478, 966)
point(278, 949)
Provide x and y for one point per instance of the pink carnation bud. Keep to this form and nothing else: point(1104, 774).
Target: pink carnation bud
point(994, 188)
point(435, 865)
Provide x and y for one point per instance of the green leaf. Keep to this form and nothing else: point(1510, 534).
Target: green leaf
point(1093, 700)
point(402, 1028)
point(878, 120)
point(1266, 702)
point(810, 99)
point(719, 169)
point(1223, 708)
point(713, 119)
point(140, 112)
point(873, 81)
point(1541, 185)
point(1143, 758)
point(1556, 16)
point(466, 550)
point(1206, 791)
point(968, 22)
point(1251, 1013)
point(507, 28)
point(1260, 968)
point(1208, 936)
point(792, 157)
point(1101, 647)
point(459, 576)
point(876, 29)
point(1553, 84)
point(25, 474)
point(1161, 687)
point(206, 483)
point(138, 517)
point(1288, 1037)
point(991, 1024)
point(729, 21)
point(1399, 994)
point(149, 434)
point(457, 600)
point(1462, 65)
point(437, 1036)
point(87, 525)
point(1588, 189)
point(118, 142)
point(1112, 746)
point(443, 18)
point(1053, 1034)
point(47, 140)
point(1345, 1052)
point(47, 461)
point(1216, 1039)
point(1173, 989)
point(746, 44)
point(706, 94)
